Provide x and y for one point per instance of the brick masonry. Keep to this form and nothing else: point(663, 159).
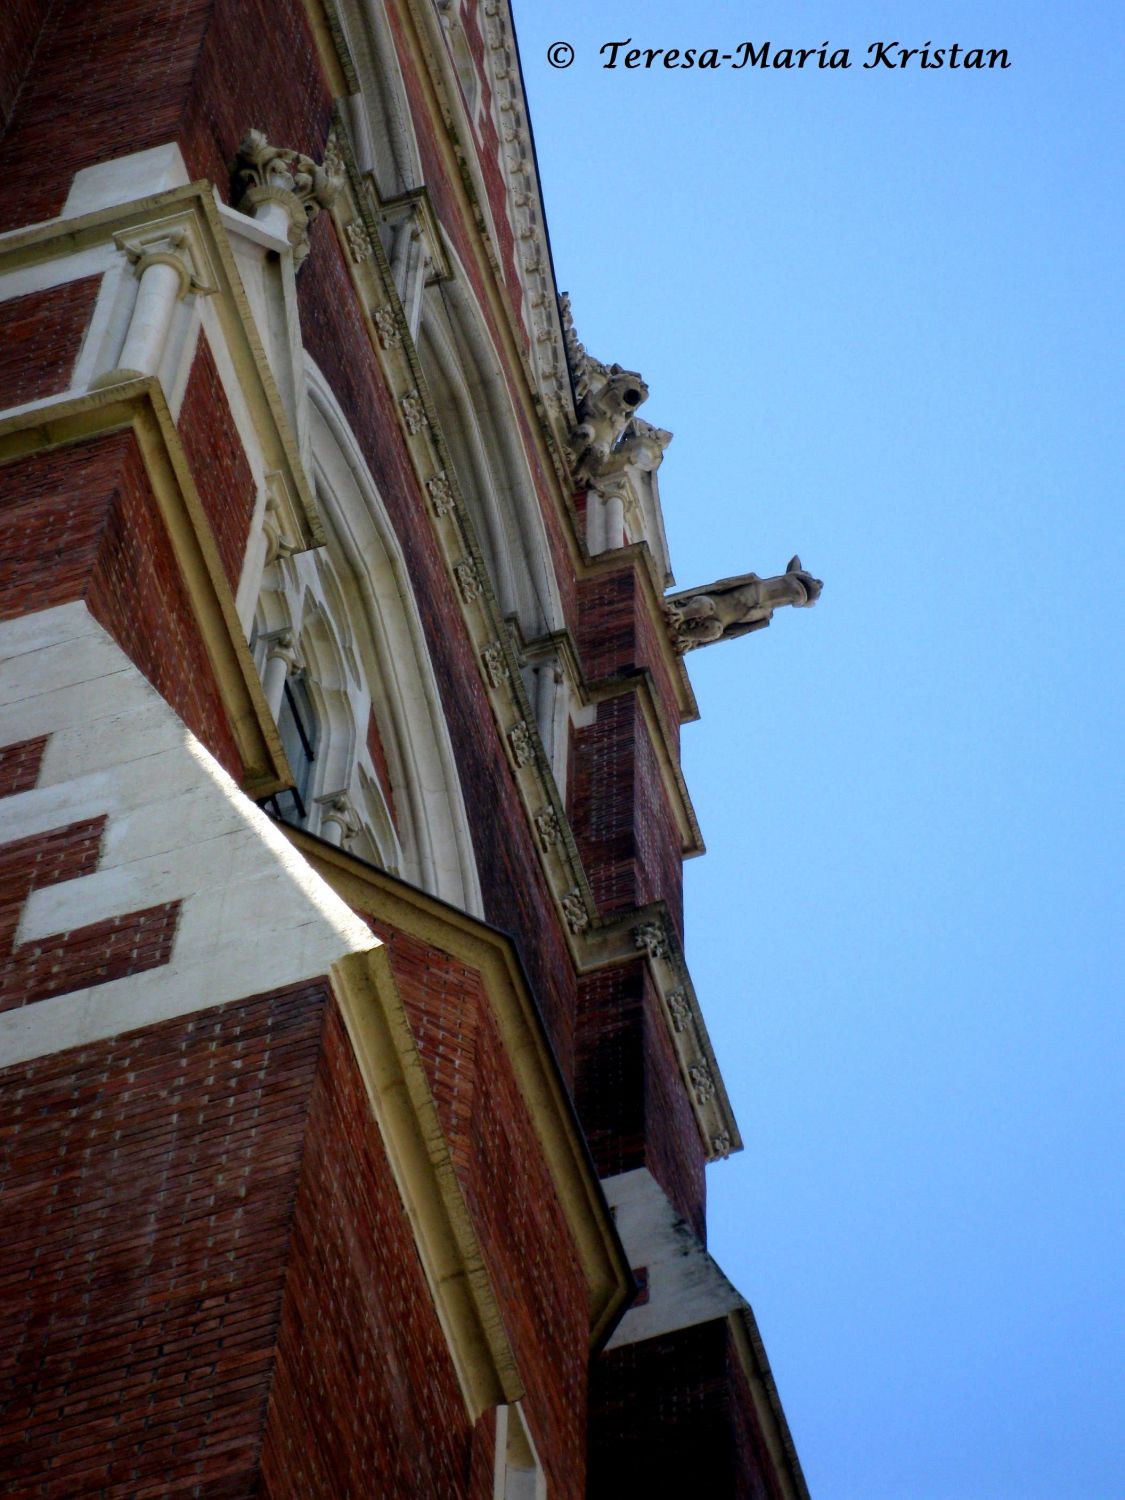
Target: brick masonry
point(631, 1100)
point(42, 338)
point(205, 1259)
point(516, 1213)
point(81, 522)
point(674, 1416)
point(218, 461)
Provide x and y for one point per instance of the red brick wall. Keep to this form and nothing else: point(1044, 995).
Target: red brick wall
point(142, 72)
point(620, 812)
point(663, 1421)
point(630, 1094)
point(218, 461)
point(149, 1184)
point(522, 1229)
point(42, 336)
point(20, 24)
point(365, 1399)
point(19, 765)
point(81, 522)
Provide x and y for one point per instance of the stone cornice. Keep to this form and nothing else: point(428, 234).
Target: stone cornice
point(493, 955)
point(139, 405)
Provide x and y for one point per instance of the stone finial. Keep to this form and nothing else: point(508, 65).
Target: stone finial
point(735, 606)
point(275, 178)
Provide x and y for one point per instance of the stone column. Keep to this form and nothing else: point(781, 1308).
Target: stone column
point(281, 659)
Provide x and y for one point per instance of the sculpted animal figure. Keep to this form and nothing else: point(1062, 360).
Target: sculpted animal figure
point(735, 606)
point(604, 412)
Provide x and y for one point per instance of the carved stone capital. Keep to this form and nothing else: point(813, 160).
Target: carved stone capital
point(266, 175)
point(165, 247)
point(338, 816)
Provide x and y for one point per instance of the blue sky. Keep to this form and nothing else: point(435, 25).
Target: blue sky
point(882, 314)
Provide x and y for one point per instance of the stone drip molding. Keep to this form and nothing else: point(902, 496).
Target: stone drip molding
point(649, 933)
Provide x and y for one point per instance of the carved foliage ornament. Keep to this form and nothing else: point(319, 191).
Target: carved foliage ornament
point(547, 826)
point(651, 938)
point(519, 737)
point(413, 412)
point(438, 487)
point(574, 910)
point(735, 606)
point(274, 174)
point(702, 1083)
point(495, 667)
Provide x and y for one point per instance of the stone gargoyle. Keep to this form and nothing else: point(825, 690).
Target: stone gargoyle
point(604, 412)
point(735, 606)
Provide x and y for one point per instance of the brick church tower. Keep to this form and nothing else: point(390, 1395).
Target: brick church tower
point(355, 1096)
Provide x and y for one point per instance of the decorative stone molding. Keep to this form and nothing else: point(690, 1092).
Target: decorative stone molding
point(169, 262)
point(339, 823)
point(283, 189)
point(574, 910)
point(282, 658)
point(441, 494)
point(721, 1144)
point(702, 1082)
point(519, 737)
point(277, 543)
point(165, 247)
point(359, 242)
point(495, 667)
point(389, 335)
point(735, 606)
point(414, 413)
point(679, 1008)
point(547, 826)
point(651, 938)
point(468, 580)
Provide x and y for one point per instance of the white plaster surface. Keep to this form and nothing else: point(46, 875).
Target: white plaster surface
point(138, 175)
point(254, 916)
point(685, 1284)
